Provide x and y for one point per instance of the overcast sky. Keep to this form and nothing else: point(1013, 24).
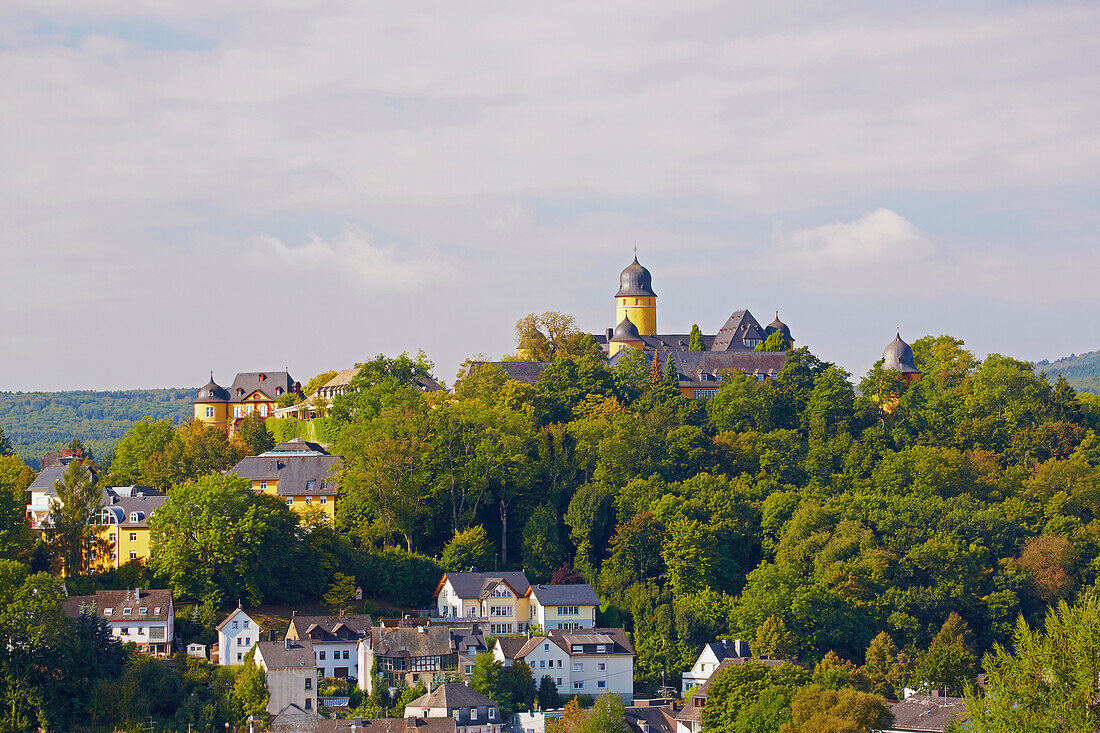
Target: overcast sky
point(236, 186)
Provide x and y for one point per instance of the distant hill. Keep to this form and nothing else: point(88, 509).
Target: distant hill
point(1081, 370)
point(38, 422)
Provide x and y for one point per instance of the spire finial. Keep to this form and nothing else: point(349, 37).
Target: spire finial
point(211, 375)
point(635, 249)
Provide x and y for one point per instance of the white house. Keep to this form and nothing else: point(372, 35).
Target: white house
point(144, 617)
point(291, 675)
point(708, 660)
point(586, 662)
point(499, 599)
point(196, 650)
point(237, 634)
point(471, 711)
point(568, 607)
point(335, 641)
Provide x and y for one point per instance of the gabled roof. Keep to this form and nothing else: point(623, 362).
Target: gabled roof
point(237, 613)
point(659, 718)
point(738, 327)
point(46, 479)
point(287, 654)
point(511, 645)
point(927, 713)
point(614, 641)
point(452, 695)
point(293, 472)
point(579, 594)
point(157, 605)
point(272, 385)
point(296, 447)
point(330, 628)
point(423, 641)
point(525, 372)
point(479, 585)
point(704, 368)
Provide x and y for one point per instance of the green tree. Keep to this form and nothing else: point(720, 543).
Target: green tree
point(774, 342)
point(74, 519)
point(469, 548)
point(215, 539)
point(548, 693)
point(144, 439)
point(250, 689)
point(1048, 683)
point(317, 382)
point(5, 444)
point(546, 336)
point(815, 709)
point(886, 669)
point(195, 450)
point(696, 341)
point(253, 432)
point(541, 544)
point(948, 664)
point(831, 405)
point(690, 554)
point(341, 594)
point(773, 640)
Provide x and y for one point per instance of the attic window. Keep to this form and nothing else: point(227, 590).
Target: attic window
point(135, 516)
point(278, 390)
point(239, 391)
point(156, 611)
point(108, 611)
point(127, 611)
point(263, 377)
point(143, 610)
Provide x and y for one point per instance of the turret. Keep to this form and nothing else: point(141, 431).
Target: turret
point(636, 300)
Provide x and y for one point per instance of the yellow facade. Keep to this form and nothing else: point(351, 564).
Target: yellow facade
point(615, 346)
point(642, 312)
point(125, 544)
point(214, 414)
point(299, 503)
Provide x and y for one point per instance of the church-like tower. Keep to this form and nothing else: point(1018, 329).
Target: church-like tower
point(636, 302)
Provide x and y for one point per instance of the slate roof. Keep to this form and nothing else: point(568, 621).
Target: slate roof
point(292, 472)
point(580, 594)
point(659, 718)
point(726, 649)
point(212, 392)
point(387, 725)
point(704, 368)
point(739, 326)
point(451, 695)
point(230, 617)
point(626, 332)
point(614, 641)
point(635, 280)
point(510, 646)
point(296, 447)
point(263, 382)
point(277, 655)
point(525, 372)
point(479, 585)
point(157, 605)
point(47, 477)
point(144, 506)
point(926, 713)
point(424, 641)
point(898, 356)
point(330, 628)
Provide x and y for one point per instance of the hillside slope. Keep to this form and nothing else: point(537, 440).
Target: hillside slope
point(37, 422)
point(1081, 370)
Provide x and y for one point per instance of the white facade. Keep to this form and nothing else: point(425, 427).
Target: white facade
point(237, 634)
point(567, 617)
point(708, 660)
point(546, 658)
point(337, 658)
point(578, 669)
point(196, 650)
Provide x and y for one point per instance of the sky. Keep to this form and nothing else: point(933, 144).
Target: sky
point(241, 186)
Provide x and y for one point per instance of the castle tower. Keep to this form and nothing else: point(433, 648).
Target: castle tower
point(636, 302)
point(212, 405)
point(625, 334)
point(898, 357)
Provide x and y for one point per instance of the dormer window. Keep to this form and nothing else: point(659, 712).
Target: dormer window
point(278, 391)
point(239, 391)
point(143, 610)
point(263, 377)
point(156, 611)
point(127, 611)
point(108, 611)
point(473, 713)
point(135, 516)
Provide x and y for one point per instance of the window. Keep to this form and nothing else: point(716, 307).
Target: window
point(473, 713)
point(133, 536)
point(601, 684)
point(309, 485)
point(546, 647)
point(246, 623)
point(236, 624)
point(127, 611)
point(500, 629)
point(156, 611)
point(108, 611)
point(601, 667)
point(469, 668)
point(237, 410)
point(141, 630)
point(578, 685)
point(558, 683)
point(309, 683)
point(492, 713)
point(559, 664)
point(309, 500)
point(321, 655)
point(126, 630)
point(578, 666)
point(346, 654)
point(133, 555)
point(542, 664)
point(568, 611)
point(290, 502)
point(309, 704)
point(240, 641)
point(500, 610)
point(703, 393)
point(112, 536)
point(578, 649)
point(263, 486)
point(134, 517)
point(114, 555)
point(210, 412)
point(601, 648)
point(324, 500)
point(240, 657)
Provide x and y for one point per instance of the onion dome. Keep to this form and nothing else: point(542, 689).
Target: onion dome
point(778, 325)
point(212, 392)
point(635, 281)
point(899, 357)
point(625, 333)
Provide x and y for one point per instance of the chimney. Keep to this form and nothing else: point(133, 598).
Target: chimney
point(287, 643)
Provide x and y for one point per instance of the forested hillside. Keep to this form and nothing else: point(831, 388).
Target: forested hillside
point(1081, 370)
point(37, 422)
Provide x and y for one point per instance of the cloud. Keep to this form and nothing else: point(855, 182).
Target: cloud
point(355, 258)
point(879, 237)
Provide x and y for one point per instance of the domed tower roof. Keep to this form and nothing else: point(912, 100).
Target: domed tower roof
point(625, 333)
point(212, 392)
point(778, 325)
point(899, 357)
point(635, 281)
